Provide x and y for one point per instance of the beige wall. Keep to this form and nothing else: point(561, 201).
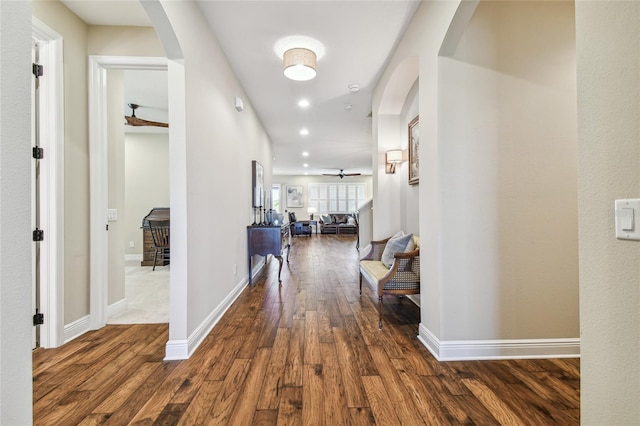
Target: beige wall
point(498, 180)
point(608, 69)
point(146, 182)
point(80, 41)
point(508, 159)
point(116, 160)
point(76, 155)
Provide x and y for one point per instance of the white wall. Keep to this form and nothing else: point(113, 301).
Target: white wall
point(508, 159)
point(608, 69)
point(498, 182)
point(219, 146)
point(15, 214)
point(146, 182)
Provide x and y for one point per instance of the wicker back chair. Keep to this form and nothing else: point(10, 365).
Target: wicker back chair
point(160, 234)
point(402, 278)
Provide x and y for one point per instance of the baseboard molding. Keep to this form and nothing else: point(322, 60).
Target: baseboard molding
point(76, 328)
point(183, 349)
point(118, 307)
point(466, 350)
point(133, 257)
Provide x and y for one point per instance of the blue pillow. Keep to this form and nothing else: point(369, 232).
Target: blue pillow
point(393, 246)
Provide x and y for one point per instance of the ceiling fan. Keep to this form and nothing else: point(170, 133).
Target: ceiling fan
point(342, 174)
point(132, 120)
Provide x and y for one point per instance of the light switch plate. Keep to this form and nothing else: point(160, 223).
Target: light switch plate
point(112, 215)
point(628, 219)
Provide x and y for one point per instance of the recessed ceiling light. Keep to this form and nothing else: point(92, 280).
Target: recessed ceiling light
point(348, 107)
point(303, 103)
point(353, 88)
point(304, 132)
point(306, 173)
point(305, 154)
point(305, 165)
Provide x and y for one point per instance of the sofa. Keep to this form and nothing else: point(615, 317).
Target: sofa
point(338, 223)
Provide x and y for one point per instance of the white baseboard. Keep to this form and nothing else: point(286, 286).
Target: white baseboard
point(465, 350)
point(76, 328)
point(118, 307)
point(133, 257)
point(183, 349)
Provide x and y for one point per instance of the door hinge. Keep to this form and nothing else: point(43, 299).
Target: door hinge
point(38, 235)
point(38, 318)
point(37, 153)
point(37, 70)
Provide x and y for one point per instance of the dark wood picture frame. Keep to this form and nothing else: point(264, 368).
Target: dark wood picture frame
point(414, 145)
point(257, 180)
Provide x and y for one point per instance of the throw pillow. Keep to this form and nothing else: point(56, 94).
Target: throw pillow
point(393, 246)
point(351, 221)
point(326, 219)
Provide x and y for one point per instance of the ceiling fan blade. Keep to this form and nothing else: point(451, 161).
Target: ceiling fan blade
point(135, 121)
point(351, 174)
point(329, 174)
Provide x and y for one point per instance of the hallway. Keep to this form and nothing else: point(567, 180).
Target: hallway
point(308, 352)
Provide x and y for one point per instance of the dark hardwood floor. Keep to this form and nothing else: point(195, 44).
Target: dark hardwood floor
point(306, 353)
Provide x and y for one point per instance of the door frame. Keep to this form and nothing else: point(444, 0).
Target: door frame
point(98, 174)
point(51, 124)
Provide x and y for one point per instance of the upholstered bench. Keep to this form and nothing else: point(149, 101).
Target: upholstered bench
point(395, 272)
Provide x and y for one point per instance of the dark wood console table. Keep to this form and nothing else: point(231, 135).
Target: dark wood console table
point(265, 240)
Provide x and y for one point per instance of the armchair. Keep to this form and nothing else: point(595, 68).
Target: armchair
point(298, 228)
point(401, 278)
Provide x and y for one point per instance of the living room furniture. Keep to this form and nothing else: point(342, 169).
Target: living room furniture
point(160, 235)
point(265, 240)
point(401, 278)
point(300, 228)
point(148, 248)
point(339, 223)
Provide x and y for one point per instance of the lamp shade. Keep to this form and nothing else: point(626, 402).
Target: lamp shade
point(394, 156)
point(299, 64)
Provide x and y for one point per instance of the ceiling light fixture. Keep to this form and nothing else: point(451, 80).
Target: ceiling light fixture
point(304, 132)
point(354, 88)
point(299, 64)
point(305, 165)
point(303, 103)
point(305, 154)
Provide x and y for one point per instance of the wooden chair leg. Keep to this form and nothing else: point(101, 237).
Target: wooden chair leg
point(379, 312)
point(155, 256)
point(360, 284)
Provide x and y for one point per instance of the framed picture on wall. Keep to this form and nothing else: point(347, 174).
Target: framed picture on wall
point(257, 179)
point(414, 144)
point(294, 196)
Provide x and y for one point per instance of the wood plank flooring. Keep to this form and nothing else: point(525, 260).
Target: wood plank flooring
point(306, 353)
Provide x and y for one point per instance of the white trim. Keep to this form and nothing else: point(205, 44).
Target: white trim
point(98, 66)
point(131, 257)
point(465, 350)
point(183, 349)
point(52, 189)
point(76, 328)
point(117, 308)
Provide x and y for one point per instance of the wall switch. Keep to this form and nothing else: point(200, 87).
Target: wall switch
point(132, 244)
point(627, 215)
point(112, 215)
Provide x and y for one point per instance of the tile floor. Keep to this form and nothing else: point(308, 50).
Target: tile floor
point(147, 294)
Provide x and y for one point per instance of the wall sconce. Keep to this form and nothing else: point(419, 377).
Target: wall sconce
point(393, 157)
point(311, 211)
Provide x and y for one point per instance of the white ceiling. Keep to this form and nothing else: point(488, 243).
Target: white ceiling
point(358, 37)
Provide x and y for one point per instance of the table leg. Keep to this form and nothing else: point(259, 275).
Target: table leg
point(280, 268)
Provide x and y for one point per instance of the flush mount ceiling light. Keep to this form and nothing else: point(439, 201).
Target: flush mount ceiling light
point(299, 64)
point(299, 55)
